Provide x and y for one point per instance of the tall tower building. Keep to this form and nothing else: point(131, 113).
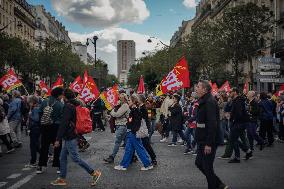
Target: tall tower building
point(125, 58)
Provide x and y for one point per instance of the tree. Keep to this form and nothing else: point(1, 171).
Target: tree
point(243, 31)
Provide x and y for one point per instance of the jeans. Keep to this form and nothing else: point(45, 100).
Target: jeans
point(205, 164)
point(175, 133)
point(266, 130)
point(15, 130)
point(236, 131)
point(224, 128)
point(132, 144)
point(152, 128)
point(34, 144)
point(187, 134)
point(120, 134)
point(252, 135)
point(70, 147)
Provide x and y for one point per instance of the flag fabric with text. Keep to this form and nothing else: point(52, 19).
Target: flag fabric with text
point(177, 79)
point(58, 83)
point(110, 97)
point(225, 87)
point(10, 81)
point(141, 87)
point(90, 91)
point(214, 89)
point(77, 85)
point(280, 91)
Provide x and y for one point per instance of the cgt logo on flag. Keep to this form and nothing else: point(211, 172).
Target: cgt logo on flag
point(110, 97)
point(10, 81)
point(90, 91)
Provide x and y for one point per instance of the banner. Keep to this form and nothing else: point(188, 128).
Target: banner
point(77, 85)
point(214, 89)
point(58, 83)
point(225, 87)
point(110, 97)
point(10, 81)
point(90, 91)
point(44, 87)
point(280, 91)
point(177, 79)
point(141, 87)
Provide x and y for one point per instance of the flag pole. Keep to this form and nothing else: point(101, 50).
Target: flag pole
point(26, 90)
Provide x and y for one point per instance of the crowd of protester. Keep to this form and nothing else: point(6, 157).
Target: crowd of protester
point(246, 122)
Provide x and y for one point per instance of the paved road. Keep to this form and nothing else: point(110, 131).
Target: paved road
point(174, 169)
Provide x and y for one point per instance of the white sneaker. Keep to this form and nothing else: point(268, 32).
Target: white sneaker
point(147, 168)
point(180, 140)
point(164, 140)
point(58, 171)
point(120, 168)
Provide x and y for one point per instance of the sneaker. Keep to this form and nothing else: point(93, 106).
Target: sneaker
point(120, 168)
point(187, 151)
point(223, 186)
point(180, 140)
point(40, 170)
point(164, 140)
point(235, 160)
point(96, 176)
point(10, 151)
point(194, 153)
point(59, 182)
point(172, 144)
point(31, 165)
point(248, 155)
point(58, 171)
point(147, 168)
point(224, 157)
point(109, 160)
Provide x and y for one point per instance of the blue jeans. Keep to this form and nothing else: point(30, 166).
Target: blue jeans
point(252, 135)
point(190, 143)
point(132, 144)
point(120, 134)
point(70, 147)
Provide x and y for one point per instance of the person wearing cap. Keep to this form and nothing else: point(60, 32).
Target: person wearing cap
point(207, 122)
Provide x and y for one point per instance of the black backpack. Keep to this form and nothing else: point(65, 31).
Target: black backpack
point(24, 107)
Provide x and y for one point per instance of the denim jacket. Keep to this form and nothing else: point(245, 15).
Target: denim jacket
point(34, 121)
point(14, 112)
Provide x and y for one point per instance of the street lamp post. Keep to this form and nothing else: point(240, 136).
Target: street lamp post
point(18, 25)
point(94, 41)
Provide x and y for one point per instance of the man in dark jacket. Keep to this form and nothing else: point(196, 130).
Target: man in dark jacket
point(67, 132)
point(240, 119)
point(207, 119)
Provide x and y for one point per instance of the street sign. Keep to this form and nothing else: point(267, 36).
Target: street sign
point(269, 60)
point(269, 73)
point(269, 80)
point(269, 66)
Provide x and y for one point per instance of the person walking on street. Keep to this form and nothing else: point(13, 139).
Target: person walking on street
point(207, 119)
point(67, 133)
point(51, 115)
point(121, 116)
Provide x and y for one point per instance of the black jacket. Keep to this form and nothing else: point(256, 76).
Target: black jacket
point(207, 119)
point(253, 111)
point(134, 120)
point(176, 118)
point(144, 115)
point(239, 113)
point(67, 127)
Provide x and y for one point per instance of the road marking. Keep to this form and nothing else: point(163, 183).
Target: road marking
point(13, 176)
point(3, 184)
point(22, 182)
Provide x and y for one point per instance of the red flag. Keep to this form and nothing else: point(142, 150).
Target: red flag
point(85, 79)
point(210, 83)
point(58, 83)
point(110, 97)
point(280, 91)
point(10, 81)
point(225, 87)
point(90, 91)
point(77, 85)
point(214, 89)
point(246, 87)
point(141, 87)
point(44, 87)
point(177, 79)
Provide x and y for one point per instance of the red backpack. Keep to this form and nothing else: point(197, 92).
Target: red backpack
point(83, 120)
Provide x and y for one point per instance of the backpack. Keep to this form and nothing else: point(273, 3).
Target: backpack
point(46, 118)
point(83, 120)
point(24, 108)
